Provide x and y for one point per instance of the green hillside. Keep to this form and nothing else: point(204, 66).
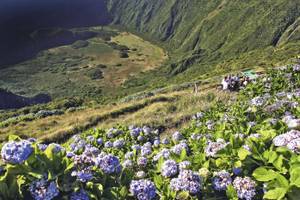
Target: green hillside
point(210, 31)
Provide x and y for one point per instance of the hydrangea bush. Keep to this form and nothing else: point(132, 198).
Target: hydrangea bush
point(248, 149)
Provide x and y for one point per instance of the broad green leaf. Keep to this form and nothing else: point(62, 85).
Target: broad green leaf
point(295, 176)
point(277, 194)
point(262, 174)
point(231, 193)
point(183, 195)
point(243, 153)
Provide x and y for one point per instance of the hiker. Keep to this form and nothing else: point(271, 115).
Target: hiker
point(225, 83)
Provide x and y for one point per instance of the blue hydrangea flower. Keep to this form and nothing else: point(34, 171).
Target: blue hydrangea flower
point(136, 147)
point(187, 181)
point(146, 150)
point(143, 189)
point(165, 141)
point(108, 144)
point(119, 143)
point(177, 136)
point(165, 153)
point(42, 147)
point(129, 155)
point(16, 152)
point(135, 132)
point(245, 187)
point(43, 190)
point(147, 130)
point(109, 164)
point(221, 180)
point(83, 175)
point(99, 141)
point(90, 138)
point(81, 195)
point(177, 149)
point(169, 168)
point(141, 138)
point(156, 143)
point(237, 171)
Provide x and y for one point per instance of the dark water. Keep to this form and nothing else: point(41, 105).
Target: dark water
point(19, 18)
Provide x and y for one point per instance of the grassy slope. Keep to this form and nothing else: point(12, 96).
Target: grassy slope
point(166, 111)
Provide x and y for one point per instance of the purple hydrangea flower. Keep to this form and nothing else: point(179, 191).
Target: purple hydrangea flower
point(177, 149)
point(43, 190)
point(129, 155)
point(42, 147)
point(146, 150)
point(184, 165)
point(245, 187)
point(165, 153)
point(156, 143)
point(136, 147)
point(147, 130)
point(109, 164)
point(135, 132)
point(213, 148)
point(16, 152)
point(169, 168)
point(143, 189)
point(187, 181)
point(141, 138)
point(142, 161)
point(81, 195)
point(221, 180)
point(127, 164)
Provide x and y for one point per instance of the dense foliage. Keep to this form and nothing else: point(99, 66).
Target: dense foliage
point(246, 150)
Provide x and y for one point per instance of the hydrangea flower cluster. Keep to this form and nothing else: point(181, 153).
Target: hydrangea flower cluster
point(221, 180)
point(169, 168)
point(291, 140)
point(245, 187)
point(16, 152)
point(81, 195)
point(164, 153)
point(142, 161)
point(187, 181)
point(109, 164)
point(178, 148)
point(177, 136)
point(43, 190)
point(146, 150)
point(119, 143)
point(143, 189)
point(213, 148)
point(184, 165)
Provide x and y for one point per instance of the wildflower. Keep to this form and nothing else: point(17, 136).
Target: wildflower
point(245, 187)
point(221, 180)
point(143, 189)
point(169, 168)
point(43, 190)
point(16, 152)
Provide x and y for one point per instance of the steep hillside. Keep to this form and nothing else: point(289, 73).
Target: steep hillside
point(204, 30)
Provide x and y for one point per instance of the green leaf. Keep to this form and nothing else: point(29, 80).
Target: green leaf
point(282, 181)
point(277, 194)
point(262, 174)
point(183, 195)
point(295, 176)
point(243, 153)
point(231, 193)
